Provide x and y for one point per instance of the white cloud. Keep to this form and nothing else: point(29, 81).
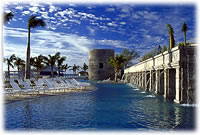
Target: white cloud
point(45, 42)
point(112, 24)
point(45, 15)
point(53, 8)
point(123, 23)
point(72, 5)
point(110, 9)
point(19, 7)
point(26, 12)
point(114, 43)
point(145, 15)
point(34, 9)
point(91, 30)
point(15, 32)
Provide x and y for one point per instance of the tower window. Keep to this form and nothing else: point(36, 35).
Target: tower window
point(100, 65)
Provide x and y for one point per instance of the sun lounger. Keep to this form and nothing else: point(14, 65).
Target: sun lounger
point(72, 85)
point(54, 84)
point(80, 83)
point(16, 88)
point(51, 86)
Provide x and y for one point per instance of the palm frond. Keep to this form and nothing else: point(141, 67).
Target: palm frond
point(8, 17)
point(33, 22)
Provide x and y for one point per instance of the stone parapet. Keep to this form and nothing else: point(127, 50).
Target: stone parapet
point(171, 73)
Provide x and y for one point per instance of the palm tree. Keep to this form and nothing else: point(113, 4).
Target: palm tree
point(117, 62)
point(129, 55)
point(60, 61)
point(171, 36)
point(184, 29)
point(9, 62)
point(85, 67)
point(159, 50)
point(8, 17)
point(19, 63)
point(51, 61)
point(38, 63)
point(164, 48)
point(74, 68)
point(32, 23)
point(65, 67)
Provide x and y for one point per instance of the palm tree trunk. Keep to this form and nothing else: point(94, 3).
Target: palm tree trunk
point(58, 71)
point(18, 71)
point(38, 73)
point(52, 73)
point(185, 38)
point(115, 76)
point(8, 71)
point(27, 68)
point(170, 42)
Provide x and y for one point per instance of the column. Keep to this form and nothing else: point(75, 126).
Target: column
point(157, 82)
point(178, 85)
point(143, 74)
point(166, 83)
point(184, 86)
point(150, 81)
point(140, 79)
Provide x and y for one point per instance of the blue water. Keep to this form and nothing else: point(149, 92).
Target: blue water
point(109, 107)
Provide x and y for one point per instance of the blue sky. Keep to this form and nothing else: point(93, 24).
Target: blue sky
point(74, 29)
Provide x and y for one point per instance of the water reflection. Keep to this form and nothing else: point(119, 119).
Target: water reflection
point(27, 113)
point(109, 107)
point(177, 114)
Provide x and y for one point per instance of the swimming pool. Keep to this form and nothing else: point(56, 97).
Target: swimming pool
point(109, 107)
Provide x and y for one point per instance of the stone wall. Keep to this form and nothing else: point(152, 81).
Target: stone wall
point(171, 74)
point(99, 69)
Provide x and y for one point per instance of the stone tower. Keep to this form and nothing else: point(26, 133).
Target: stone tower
point(99, 69)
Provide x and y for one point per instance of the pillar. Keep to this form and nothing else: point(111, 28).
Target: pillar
point(147, 80)
point(166, 83)
point(178, 85)
point(151, 81)
point(157, 82)
point(143, 79)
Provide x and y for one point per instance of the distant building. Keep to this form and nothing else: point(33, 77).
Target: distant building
point(99, 69)
point(47, 71)
point(83, 73)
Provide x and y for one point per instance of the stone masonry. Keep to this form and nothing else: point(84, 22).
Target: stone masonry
point(171, 74)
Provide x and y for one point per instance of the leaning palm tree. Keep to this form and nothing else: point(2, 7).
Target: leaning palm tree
point(9, 62)
point(129, 55)
point(65, 67)
point(184, 29)
point(32, 23)
point(51, 61)
point(8, 17)
point(117, 62)
point(60, 61)
point(171, 36)
point(19, 63)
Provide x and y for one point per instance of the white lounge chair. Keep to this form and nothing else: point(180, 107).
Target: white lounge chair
point(26, 85)
point(54, 84)
point(80, 83)
point(51, 86)
point(16, 88)
point(72, 85)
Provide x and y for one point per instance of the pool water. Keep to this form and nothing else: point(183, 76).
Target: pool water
point(109, 107)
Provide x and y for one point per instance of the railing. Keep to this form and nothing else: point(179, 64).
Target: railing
point(166, 59)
